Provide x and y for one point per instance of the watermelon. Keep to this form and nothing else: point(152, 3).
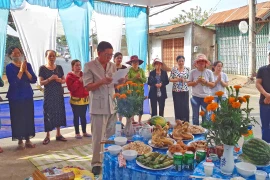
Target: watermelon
point(257, 151)
point(155, 120)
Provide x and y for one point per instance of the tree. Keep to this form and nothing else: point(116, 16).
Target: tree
point(12, 41)
point(194, 15)
point(62, 40)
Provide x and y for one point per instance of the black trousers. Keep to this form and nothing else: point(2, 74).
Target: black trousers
point(161, 105)
point(181, 105)
point(79, 112)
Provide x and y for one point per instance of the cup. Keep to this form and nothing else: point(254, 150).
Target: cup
point(208, 168)
point(260, 175)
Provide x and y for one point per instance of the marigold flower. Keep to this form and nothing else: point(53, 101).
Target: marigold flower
point(202, 113)
point(116, 95)
point(123, 96)
point(219, 93)
point(246, 97)
point(134, 84)
point(212, 106)
point(129, 91)
point(242, 99)
point(231, 100)
point(213, 117)
point(237, 87)
point(118, 87)
point(249, 132)
point(138, 91)
point(208, 99)
point(142, 85)
point(129, 82)
point(236, 105)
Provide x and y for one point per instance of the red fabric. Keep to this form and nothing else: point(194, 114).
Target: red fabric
point(76, 87)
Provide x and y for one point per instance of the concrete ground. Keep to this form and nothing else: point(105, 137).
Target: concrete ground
point(15, 166)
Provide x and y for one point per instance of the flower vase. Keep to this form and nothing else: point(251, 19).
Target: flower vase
point(129, 130)
point(227, 160)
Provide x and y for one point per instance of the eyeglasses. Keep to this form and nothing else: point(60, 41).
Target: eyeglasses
point(108, 55)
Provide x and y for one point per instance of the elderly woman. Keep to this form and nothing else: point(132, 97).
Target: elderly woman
point(52, 77)
point(180, 91)
point(20, 96)
point(79, 98)
point(220, 79)
point(157, 80)
point(136, 75)
point(201, 80)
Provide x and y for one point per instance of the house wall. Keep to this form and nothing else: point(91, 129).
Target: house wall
point(232, 47)
point(204, 39)
point(156, 42)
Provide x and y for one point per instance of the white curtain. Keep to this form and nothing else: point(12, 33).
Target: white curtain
point(36, 27)
point(109, 28)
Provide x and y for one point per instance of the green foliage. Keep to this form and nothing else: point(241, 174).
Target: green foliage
point(62, 40)
point(230, 121)
point(195, 15)
point(129, 100)
point(150, 67)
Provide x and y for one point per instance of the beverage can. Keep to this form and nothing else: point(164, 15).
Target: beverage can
point(188, 161)
point(178, 161)
point(200, 156)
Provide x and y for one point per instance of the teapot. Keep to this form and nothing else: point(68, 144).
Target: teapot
point(146, 131)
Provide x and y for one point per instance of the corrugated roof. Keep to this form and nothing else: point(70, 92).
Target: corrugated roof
point(167, 28)
point(237, 14)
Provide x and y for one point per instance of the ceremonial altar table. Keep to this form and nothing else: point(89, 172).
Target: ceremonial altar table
point(112, 171)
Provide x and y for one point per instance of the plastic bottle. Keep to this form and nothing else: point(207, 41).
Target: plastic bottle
point(250, 133)
point(118, 129)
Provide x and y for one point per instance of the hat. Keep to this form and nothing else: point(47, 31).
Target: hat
point(202, 57)
point(157, 60)
point(134, 58)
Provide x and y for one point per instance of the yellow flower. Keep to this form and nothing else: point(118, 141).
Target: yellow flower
point(236, 105)
point(237, 87)
point(123, 96)
point(213, 117)
point(231, 100)
point(129, 91)
point(219, 93)
point(202, 113)
point(208, 99)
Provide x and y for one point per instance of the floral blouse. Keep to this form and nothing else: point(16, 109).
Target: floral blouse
point(179, 86)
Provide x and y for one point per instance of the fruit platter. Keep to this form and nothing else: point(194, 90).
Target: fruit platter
point(256, 152)
point(154, 161)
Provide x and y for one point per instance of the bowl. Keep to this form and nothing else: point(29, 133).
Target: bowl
point(129, 155)
point(245, 169)
point(120, 141)
point(114, 149)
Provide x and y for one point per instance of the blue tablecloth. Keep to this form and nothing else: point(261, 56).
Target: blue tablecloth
point(199, 171)
point(112, 171)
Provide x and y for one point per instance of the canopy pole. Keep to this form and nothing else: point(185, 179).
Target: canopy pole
point(148, 39)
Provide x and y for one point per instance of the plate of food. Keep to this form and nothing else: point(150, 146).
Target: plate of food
point(154, 161)
point(196, 130)
point(180, 131)
point(179, 147)
point(138, 146)
point(198, 145)
point(162, 143)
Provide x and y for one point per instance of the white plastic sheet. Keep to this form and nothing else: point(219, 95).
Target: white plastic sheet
point(36, 27)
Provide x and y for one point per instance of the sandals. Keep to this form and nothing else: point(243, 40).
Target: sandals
point(61, 138)
point(30, 145)
point(21, 146)
point(78, 136)
point(87, 135)
point(46, 141)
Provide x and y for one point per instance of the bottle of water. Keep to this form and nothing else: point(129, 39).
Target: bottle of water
point(118, 129)
point(250, 133)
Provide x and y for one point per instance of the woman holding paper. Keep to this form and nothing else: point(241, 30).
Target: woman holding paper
point(117, 59)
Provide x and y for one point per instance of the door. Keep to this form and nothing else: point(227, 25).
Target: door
point(171, 48)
